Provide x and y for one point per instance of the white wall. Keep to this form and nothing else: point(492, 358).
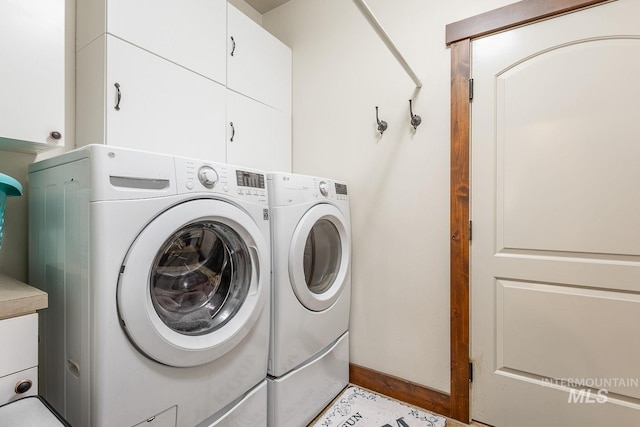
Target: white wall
point(399, 182)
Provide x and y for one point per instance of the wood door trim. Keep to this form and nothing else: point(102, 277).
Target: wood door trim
point(459, 36)
point(459, 202)
point(397, 388)
point(513, 15)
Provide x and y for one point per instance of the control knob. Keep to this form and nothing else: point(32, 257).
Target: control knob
point(323, 188)
point(208, 176)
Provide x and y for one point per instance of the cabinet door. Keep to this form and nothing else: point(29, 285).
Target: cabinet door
point(258, 64)
point(258, 136)
point(162, 107)
point(19, 336)
point(190, 33)
point(32, 74)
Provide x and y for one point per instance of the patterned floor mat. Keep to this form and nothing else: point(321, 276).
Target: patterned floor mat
point(361, 408)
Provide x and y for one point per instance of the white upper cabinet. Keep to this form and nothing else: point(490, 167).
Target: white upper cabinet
point(184, 70)
point(258, 64)
point(131, 98)
point(190, 33)
point(258, 136)
point(32, 75)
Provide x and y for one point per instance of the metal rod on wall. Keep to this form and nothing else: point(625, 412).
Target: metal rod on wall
point(368, 14)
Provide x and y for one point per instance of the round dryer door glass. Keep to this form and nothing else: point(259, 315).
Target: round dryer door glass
point(319, 255)
point(322, 255)
point(200, 277)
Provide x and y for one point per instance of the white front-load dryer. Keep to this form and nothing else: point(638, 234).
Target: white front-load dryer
point(311, 296)
point(157, 270)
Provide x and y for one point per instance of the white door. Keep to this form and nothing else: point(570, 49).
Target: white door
point(555, 255)
point(189, 33)
point(32, 73)
point(258, 64)
point(162, 107)
point(258, 136)
point(194, 283)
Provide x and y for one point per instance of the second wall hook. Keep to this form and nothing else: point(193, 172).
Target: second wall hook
point(415, 119)
point(382, 125)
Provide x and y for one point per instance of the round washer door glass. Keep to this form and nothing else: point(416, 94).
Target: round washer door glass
point(194, 283)
point(200, 277)
point(319, 257)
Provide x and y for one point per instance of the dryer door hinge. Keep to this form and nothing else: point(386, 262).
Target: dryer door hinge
point(470, 372)
point(470, 89)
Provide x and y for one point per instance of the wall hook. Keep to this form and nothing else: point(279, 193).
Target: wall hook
point(382, 125)
point(415, 119)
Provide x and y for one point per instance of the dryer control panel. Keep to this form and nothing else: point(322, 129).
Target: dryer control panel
point(292, 189)
point(193, 175)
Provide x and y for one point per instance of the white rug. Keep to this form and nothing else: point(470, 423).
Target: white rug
point(360, 408)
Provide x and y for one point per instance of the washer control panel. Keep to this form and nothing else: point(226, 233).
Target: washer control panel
point(219, 178)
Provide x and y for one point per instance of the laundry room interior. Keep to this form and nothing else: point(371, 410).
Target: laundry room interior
point(345, 80)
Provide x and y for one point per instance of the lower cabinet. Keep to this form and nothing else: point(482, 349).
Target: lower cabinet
point(18, 357)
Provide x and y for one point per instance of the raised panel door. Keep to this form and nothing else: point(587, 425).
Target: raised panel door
point(555, 258)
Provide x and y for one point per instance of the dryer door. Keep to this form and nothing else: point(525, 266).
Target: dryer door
point(319, 257)
point(194, 282)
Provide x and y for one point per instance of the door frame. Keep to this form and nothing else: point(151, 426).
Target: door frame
point(458, 37)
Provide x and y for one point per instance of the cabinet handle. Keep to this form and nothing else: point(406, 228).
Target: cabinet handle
point(118, 96)
point(23, 386)
point(233, 45)
point(55, 135)
point(233, 131)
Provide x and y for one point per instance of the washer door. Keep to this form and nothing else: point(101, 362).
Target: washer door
point(192, 286)
point(319, 257)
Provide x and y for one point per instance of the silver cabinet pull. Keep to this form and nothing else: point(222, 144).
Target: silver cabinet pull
point(118, 96)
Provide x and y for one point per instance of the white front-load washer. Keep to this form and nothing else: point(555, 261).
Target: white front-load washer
point(158, 275)
point(311, 296)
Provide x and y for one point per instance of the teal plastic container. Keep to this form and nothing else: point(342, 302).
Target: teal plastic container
point(8, 187)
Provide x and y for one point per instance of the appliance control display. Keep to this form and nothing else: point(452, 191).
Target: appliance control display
point(249, 179)
point(341, 189)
